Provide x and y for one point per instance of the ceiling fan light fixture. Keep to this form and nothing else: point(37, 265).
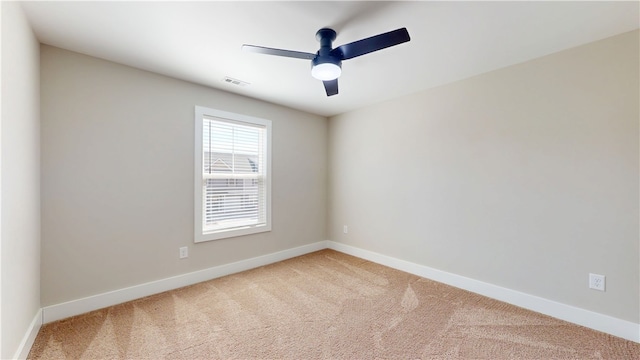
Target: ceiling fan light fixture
point(326, 70)
point(326, 64)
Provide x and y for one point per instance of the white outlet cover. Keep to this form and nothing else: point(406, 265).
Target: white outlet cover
point(597, 282)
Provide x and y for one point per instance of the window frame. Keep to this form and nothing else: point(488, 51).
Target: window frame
point(200, 235)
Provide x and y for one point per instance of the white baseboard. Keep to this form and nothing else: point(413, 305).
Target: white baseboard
point(95, 302)
point(607, 324)
point(29, 337)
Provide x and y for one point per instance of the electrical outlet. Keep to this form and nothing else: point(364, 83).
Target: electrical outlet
point(597, 282)
point(184, 252)
point(345, 229)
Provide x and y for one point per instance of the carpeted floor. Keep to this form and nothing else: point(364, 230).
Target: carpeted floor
point(324, 305)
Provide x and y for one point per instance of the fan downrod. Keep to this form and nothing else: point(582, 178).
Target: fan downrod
point(325, 36)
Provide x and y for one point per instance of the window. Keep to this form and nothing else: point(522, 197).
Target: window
point(232, 175)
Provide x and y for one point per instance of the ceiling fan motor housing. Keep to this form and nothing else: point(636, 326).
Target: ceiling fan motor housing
point(325, 66)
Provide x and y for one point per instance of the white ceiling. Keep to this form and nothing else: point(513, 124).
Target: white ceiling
point(200, 41)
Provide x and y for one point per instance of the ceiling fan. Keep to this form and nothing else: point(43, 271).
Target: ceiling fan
point(326, 64)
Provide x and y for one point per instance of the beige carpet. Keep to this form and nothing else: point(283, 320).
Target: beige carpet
point(325, 305)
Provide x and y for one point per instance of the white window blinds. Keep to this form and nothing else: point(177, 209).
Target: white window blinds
point(233, 173)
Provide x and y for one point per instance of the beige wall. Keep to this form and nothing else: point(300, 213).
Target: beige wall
point(20, 179)
point(117, 177)
point(526, 177)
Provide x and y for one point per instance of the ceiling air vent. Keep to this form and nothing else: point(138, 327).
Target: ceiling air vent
point(233, 81)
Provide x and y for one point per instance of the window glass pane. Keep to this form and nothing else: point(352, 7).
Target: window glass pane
point(233, 174)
